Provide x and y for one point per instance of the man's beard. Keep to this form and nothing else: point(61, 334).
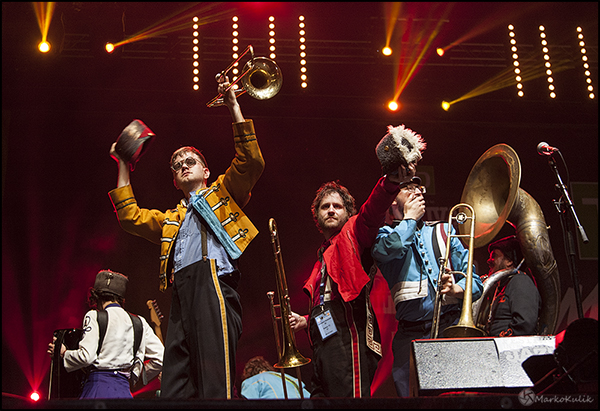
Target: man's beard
point(332, 225)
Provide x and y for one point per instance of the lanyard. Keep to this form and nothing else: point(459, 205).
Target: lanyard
point(322, 285)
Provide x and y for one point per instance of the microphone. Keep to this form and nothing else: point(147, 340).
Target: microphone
point(545, 150)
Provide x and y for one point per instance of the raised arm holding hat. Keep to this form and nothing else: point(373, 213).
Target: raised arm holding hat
point(407, 252)
point(341, 323)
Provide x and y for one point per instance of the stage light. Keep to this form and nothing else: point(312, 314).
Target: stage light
point(445, 105)
point(393, 105)
point(302, 53)
point(234, 48)
point(272, 56)
point(195, 57)
point(440, 51)
point(392, 10)
point(416, 43)
point(43, 13)
point(44, 46)
point(515, 57)
point(585, 64)
point(34, 396)
point(547, 63)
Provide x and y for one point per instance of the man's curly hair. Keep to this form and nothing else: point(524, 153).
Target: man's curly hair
point(328, 188)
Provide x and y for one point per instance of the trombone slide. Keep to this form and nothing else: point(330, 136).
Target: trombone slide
point(465, 326)
point(289, 356)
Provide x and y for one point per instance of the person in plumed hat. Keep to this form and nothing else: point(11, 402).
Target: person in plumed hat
point(201, 240)
point(341, 323)
point(407, 251)
point(112, 365)
point(516, 303)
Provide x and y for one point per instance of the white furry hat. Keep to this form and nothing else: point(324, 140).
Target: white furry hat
point(400, 146)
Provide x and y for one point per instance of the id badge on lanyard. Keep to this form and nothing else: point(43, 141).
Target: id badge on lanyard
point(326, 325)
point(324, 320)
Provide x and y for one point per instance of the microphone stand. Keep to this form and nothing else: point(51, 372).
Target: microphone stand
point(568, 232)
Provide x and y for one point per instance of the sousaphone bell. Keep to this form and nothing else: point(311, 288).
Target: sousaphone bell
point(493, 189)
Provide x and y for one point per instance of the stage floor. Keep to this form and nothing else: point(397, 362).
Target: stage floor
point(459, 400)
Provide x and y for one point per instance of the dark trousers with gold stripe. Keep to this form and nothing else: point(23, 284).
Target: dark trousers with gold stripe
point(205, 324)
point(344, 366)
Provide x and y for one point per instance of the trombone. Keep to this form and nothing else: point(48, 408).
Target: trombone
point(465, 326)
point(261, 78)
point(289, 357)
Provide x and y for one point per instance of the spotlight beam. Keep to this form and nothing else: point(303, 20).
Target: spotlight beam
point(43, 14)
point(506, 78)
point(422, 41)
point(492, 22)
point(392, 10)
point(176, 22)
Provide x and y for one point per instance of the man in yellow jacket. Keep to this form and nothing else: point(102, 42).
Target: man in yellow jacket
point(201, 241)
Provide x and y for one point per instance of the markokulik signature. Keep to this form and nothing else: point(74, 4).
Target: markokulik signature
point(528, 397)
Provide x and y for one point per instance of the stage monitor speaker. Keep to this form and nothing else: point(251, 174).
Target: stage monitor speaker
point(473, 364)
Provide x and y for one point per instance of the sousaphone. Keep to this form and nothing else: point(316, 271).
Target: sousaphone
point(492, 189)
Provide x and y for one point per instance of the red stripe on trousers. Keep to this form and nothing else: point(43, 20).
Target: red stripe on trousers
point(355, 350)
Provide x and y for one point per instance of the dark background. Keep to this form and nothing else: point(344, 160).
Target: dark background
point(62, 111)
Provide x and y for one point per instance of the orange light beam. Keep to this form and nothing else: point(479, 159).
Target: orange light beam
point(43, 13)
point(493, 21)
point(407, 76)
point(424, 39)
point(506, 78)
point(392, 10)
point(177, 21)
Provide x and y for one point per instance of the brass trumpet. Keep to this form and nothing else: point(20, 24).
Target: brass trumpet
point(289, 357)
point(465, 326)
point(261, 78)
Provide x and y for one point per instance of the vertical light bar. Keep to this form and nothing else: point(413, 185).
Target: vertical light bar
point(272, 47)
point(302, 42)
point(547, 64)
point(195, 55)
point(515, 57)
point(235, 48)
point(586, 66)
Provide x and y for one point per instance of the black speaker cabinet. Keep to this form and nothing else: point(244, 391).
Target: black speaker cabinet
point(473, 364)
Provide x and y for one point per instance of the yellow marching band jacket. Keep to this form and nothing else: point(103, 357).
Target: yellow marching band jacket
point(220, 207)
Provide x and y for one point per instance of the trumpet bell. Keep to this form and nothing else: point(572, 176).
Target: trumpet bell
point(264, 78)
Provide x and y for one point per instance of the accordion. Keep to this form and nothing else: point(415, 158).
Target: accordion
point(65, 384)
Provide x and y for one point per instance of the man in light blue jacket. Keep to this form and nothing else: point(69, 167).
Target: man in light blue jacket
point(407, 252)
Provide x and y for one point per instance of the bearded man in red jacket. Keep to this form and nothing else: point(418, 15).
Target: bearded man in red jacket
point(342, 326)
